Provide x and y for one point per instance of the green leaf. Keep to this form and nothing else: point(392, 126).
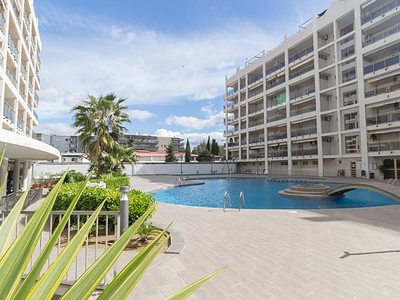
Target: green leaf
point(127, 279)
point(33, 274)
point(88, 281)
point(190, 289)
point(14, 261)
point(47, 285)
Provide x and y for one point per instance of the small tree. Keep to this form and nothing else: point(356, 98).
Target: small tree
point(208, 144)
point(204, 156)
point(170, 157)
point(214, 147)
point(188, 156)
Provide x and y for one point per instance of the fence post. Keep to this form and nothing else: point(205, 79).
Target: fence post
point(124, 208)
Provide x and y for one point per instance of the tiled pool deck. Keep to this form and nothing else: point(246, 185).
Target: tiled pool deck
point(278, 254)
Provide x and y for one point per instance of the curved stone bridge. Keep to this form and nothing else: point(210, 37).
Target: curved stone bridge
point(385, 189)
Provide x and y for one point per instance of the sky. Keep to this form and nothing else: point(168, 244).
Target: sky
point(168, 59)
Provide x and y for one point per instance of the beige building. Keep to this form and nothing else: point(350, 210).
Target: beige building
point(20, 46)
point(324, 102)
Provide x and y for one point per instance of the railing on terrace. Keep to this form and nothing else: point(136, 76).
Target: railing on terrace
point(2, 22)
point(12, 47)
point(275, 83)
point(243, 142)
point(301, 54)
point(384, 146)
point(1, 59)
point(305, 152)
point(346, 52)
point(105, 231)
point(305, 131)
point(28, 130)
point(275, 118)
point(307, 91)
point(256, 123)
point(302, 110)
point(382, 63)
point(256, 140)
point(282, 153)
point(346, 40)
point(276, 67)
point(233, 144)
point(256, 92)
point(257, 156)
point(8, 112)
point(20, 123)
point(11, 76)
point(7, 202)
point(350, 100)
point(256, 109)
point(277, 136)
point(232, 92)
point(301, 72)
point(36, 115)
point(369, 40)
point(254, 79)
point(36, 98)
point(383, 89)
point(379, 11)
point(382, 118)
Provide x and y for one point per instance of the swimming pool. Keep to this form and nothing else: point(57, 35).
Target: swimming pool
point(262, 194)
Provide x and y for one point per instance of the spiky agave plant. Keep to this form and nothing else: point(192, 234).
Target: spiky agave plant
point(15, 255)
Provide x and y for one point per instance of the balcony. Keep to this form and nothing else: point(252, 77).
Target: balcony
point(277, 136)
point(303, 110)
point(305, 152)
point(304, 92)
point(256, 140)
point(256, 123)
point(255, 109)
point(254, 79)
point(11, 76)
point(301, 54)
point(233, 144)
point(277, 154)
point(8, 112)
point(393, 116)
point(232, 92)
point(276, 118)
point(301, 72)
point(382, 89)
point(256, 92)
point(13, 48)
point(275, 83)
point(257, 156)
point(2, 22)
point(277, 66)
point(379, 11)
point(302, 132)
point(369, 40)
point(384, 146)
point(382, 63)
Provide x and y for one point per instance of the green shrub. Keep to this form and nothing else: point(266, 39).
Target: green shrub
point(139, 202)
point(74, 176)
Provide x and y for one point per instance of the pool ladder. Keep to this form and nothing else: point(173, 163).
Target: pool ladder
point(227, 200)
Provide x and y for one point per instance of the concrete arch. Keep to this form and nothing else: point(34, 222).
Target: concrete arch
point(341, 189)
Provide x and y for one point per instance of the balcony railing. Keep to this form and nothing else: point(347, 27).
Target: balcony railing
point(379, 11)
point(36, 98)
point(256, 123)
point(276, 118)
point(383, 89)
point(11, 76)
point(20, 123)
point(272, 154)
point(233, 144)
point(2, 22)
point(277, 136)
point(256, 140)
point(275, 83)
point(393, 116)
point(301, 54)
point(8, 112)
point(12, 47)
point(369, 40)
point(256, 109)
point(384, 146)
point(307, 91)
point(301, 72)
point(277, 66)
point(256, 92)
point(382, 63)
point(232, 92)
point(305, 131)
point(257, 156)
point(302, 110)
point(254, 79)
point(305, 152)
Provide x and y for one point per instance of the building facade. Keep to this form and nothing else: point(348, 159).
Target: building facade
point(20, 46)
point(324, 102)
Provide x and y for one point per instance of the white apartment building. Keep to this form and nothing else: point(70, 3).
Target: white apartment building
point(324, 102)
point(20, 46)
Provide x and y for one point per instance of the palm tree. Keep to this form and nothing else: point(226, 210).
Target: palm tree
point(114, 161)
point(99, 125)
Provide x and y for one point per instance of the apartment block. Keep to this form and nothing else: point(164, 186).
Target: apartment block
point(20, 46)
point(324, 102)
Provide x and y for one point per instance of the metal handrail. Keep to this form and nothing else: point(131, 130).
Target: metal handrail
point(241, 201)
point(226, 197)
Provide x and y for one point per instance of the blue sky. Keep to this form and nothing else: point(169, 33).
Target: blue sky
point(169, 59)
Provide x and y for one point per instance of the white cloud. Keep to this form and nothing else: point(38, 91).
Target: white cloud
point(141, 115)
point(194, 138)
point(206, 95)
point(55, 128)
point(195, 123)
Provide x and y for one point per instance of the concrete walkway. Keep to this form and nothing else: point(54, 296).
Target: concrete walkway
point(278, 254)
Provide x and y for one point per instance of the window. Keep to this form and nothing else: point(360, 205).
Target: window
point(305, 163)
point(315, 162)
point(295, 163)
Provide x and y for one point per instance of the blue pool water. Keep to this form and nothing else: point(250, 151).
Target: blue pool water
point(261, 194)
